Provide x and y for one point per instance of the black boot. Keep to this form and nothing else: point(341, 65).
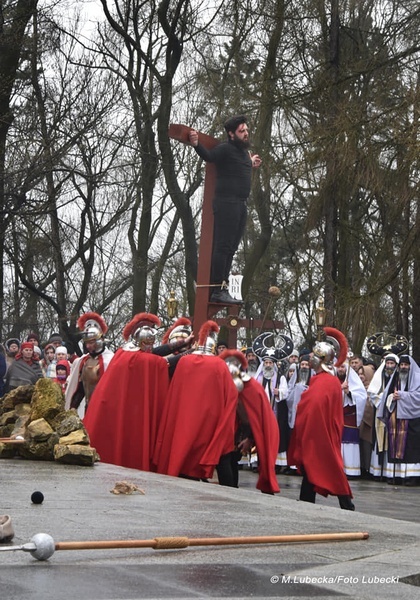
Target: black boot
point(346, 503)
point(221, 296)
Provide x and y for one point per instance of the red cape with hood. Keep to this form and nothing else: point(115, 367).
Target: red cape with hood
point(125, 408)
point(198, 423)
point(316, 437)
point(265, 431)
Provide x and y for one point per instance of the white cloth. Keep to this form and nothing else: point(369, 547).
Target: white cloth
point(357, 397)
point(73, 380)
point(407, 407)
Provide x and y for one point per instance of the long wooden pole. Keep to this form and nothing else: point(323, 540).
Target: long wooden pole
point(166, 543)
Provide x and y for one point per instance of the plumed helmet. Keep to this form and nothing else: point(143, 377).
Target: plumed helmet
point(92, 326)
point(334, 347)
point(179, 330)
point(142, 329)
point(207, 337)
point(237, 365)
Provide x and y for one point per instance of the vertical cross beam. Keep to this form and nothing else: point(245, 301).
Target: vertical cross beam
point(181, 133)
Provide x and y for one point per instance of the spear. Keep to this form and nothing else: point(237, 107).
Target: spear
point(42, 545)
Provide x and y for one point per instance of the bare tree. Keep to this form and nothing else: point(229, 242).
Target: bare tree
point(14, 17)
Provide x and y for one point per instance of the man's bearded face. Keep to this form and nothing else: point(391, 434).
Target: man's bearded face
point(341, 373)
point(253, 364)
point(241, 136)
point(390, 367)
point(268, 369)
point(404, 370)
point(304, 373)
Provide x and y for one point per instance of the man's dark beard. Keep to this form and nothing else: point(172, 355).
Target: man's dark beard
point(243, 144)
point(341, 376)
point(253, 364)
point(403, 378)
point(303, 375)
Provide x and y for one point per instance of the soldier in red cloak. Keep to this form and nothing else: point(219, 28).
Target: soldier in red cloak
point(315, 447)
point(127, 404)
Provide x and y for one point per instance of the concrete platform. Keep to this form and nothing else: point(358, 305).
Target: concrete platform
point(78, 506)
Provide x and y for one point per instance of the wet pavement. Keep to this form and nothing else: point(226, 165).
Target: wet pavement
point(78, 506)
point(378, 498)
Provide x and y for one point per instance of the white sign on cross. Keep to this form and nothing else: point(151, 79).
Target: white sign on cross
point(235, 286)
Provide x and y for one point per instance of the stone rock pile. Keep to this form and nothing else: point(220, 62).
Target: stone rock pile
point(36, 413)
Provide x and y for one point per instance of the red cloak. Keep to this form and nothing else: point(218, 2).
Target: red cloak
point(316, 438)
point(125, 408)
point(198, 423)
point(265, 431)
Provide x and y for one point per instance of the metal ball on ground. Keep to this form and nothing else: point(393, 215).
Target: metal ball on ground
point(37, 498)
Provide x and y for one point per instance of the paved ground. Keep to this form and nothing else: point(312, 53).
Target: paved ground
point(78, 506)
point(370, 497)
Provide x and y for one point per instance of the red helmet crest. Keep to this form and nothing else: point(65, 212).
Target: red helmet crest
point(92, 316)
point(138, 320)
point(181, 322)
point(235, 354)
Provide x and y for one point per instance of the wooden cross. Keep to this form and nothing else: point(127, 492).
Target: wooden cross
point(203, 309)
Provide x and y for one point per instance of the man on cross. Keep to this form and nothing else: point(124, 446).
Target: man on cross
point(234, 163)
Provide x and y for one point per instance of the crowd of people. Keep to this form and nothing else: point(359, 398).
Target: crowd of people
point(188, 408)
point(381, 411)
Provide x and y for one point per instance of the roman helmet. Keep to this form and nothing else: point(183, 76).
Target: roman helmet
point(207, 338)
point(141, 332)
point(178, 331)
point(330, 352)
point(93, 328)
point(237, 365)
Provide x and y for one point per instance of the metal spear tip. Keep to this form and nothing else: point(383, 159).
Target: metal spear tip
point(41, 546)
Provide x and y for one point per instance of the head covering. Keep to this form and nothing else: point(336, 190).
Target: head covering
point(294, 353)
point(27, 345)
point(237, 365)
point(207, 338)
point(393, 357)
point(61, 350)
point(405, 359)
point(23, 346)
point(181, 328)
point(139, 320)
point(304, 351)
point(11, 341)
point(63, 364)
point(55, 338)
point(335, 346)
point(92, 326)
point(32, 336)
